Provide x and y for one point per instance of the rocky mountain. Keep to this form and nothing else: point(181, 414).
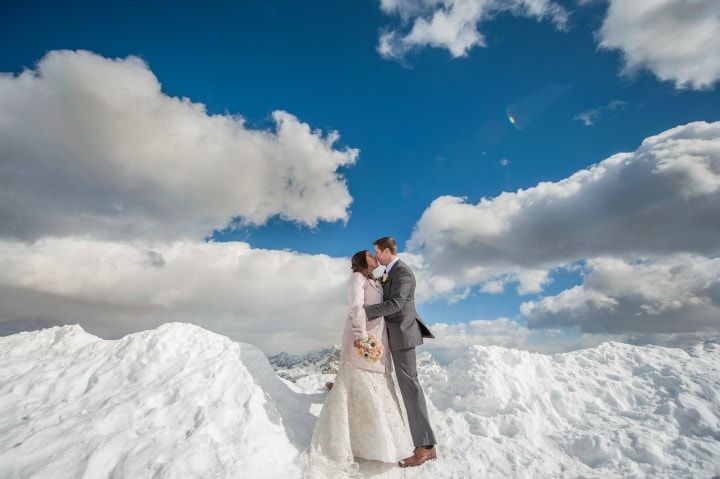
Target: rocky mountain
point(309, 371)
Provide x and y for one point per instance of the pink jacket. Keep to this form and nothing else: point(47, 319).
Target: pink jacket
point(362, 291)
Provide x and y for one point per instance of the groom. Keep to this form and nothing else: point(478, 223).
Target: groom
point(405, 331)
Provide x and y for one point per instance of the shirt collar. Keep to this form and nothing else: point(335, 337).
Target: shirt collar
point(391, 264)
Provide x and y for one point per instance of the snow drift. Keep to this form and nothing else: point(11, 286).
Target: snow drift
point(180, 401)
point(175, 402)
point(615, 410)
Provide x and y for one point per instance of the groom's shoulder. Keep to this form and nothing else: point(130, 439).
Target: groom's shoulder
point(401, 265)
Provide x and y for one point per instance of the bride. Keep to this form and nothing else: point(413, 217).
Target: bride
point(361, 416)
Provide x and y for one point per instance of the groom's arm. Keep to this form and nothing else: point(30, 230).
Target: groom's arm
point(399, 293)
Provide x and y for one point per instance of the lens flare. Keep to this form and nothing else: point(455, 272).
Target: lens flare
point(523, 112)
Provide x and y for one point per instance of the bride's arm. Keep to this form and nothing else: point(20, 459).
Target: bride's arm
point(356, 300)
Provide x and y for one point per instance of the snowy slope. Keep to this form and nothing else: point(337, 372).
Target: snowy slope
point(180, 401)
point(611, 411)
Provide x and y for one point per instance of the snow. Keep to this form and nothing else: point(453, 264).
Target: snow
point(615, 410)
point(177, 401)
point(180, 401)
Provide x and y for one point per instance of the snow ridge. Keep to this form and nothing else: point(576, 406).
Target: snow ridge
point(615, 410)
point(177, 401)
point(183, 402)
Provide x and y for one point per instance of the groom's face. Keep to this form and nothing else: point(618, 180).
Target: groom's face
point(383, 257)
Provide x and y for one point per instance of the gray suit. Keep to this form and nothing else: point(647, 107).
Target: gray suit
point(405, 331)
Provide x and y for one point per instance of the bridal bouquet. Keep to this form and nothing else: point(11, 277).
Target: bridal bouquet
point(370, 349)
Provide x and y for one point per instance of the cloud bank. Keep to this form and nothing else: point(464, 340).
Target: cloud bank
point(108, 187)
point(641, 227)
point(278, 300)
point(631, 204)
point(679, 294)
point(91, 145)
point(453, 339)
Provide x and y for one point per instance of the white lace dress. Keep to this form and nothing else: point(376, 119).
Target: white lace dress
point(362, 417)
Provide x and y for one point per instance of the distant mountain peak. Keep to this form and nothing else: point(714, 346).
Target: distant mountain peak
point(293, 367)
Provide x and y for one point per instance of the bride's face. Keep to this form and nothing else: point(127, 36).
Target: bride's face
point(371, 261)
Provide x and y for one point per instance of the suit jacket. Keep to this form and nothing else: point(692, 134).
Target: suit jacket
point(404, 326)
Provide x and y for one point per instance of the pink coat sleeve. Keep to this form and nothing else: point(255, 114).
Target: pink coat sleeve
point(356, 300)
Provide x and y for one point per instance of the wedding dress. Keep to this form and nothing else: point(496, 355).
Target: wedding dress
point(362, 416)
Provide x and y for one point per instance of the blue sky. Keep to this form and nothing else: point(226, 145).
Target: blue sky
point(435, 125)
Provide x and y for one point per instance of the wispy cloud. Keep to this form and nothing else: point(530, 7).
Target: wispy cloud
point(591, 117)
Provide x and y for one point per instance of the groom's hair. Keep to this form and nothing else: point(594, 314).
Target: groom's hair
point(386, 242)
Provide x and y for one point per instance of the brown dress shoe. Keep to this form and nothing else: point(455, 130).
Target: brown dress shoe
point(329, 385)
point(420, 455)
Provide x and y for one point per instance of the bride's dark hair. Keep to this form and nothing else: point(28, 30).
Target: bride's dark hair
point(359, 263)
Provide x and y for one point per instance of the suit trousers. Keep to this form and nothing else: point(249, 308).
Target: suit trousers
point(405, 362)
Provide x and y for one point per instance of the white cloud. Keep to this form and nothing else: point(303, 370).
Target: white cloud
point(590, 117)
point(90, 145)
point(493, 287)
point(278, 300)
point(454, 24)
point(640, 227)
point(661, 199)
point(452, 339)
point(429, 286)
point(670, 295)
point(677, 40)
point(408, 8)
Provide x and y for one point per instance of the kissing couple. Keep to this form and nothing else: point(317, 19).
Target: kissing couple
point(362, 416)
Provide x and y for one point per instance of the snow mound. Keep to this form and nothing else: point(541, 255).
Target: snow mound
point(178, 401)
point(615, 410)
point(182, 402)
